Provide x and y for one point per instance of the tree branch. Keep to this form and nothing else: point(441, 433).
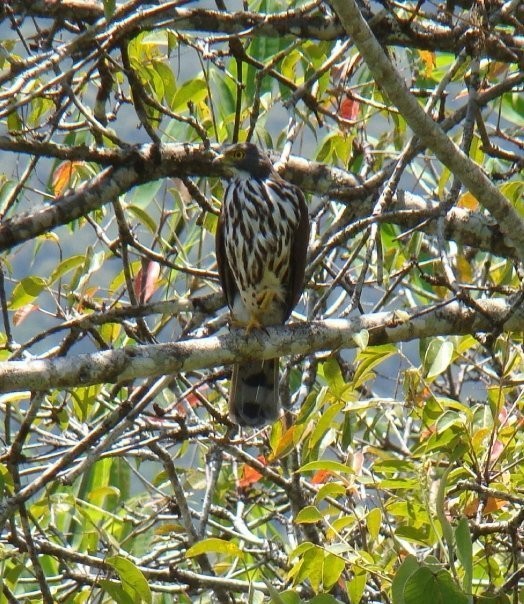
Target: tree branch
point(146, 163)
point(452, 318)
point(431, 133)
point(300, 23)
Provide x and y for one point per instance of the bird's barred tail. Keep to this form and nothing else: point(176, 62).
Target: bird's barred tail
point(254, 397)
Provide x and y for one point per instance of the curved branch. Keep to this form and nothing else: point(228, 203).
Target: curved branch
point(453, 318)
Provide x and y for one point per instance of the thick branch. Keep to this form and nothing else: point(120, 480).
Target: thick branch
point(146, 163)
point(499, 45)
point(147, 361)
point(431, 133)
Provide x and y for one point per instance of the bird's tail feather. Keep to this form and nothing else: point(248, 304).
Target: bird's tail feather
point(254, 397)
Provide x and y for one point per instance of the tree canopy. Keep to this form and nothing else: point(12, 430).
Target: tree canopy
point(395, 473)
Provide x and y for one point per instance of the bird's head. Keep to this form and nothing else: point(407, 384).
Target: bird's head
point(244, 160)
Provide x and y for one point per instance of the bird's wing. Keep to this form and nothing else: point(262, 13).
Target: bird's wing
point(225, 275)
point(299, 246)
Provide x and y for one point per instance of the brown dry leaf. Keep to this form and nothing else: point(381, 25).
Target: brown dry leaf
point(23, 312)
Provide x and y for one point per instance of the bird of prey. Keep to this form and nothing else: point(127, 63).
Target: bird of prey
point(261, 245)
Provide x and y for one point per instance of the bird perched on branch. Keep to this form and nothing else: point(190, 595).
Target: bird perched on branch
point(261, 247)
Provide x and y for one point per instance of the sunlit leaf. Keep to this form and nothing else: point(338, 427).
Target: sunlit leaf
point(332, 466)
point(250, 475)
point(26, 290)
point(428, 59)
point(133, 580)
point(214, 545)
point(332, 570)
point(63, 176)
point(308, 515)
point(194, 90)
point(374, 522)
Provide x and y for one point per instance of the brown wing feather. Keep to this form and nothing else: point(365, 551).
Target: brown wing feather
point(299, 247)
point(225, 275)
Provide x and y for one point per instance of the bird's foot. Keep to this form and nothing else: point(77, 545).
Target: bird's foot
point(267, 299)
point(253, 323)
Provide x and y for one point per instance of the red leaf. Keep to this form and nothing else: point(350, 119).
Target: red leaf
point(191, 399)
point(320, 477)
point(496, 450)
point(250, 475)
point(146, 281)
point(349, 108)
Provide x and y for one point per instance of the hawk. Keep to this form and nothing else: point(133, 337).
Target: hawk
point(261, 245)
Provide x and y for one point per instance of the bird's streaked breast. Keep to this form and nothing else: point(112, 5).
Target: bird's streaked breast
point(261, 219)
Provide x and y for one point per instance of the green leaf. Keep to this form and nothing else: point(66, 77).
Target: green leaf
point(374, 522)
point(133, 580)
point(432, 588)
point(332, 373)
point(465, 551)
point(356, 586)
point(439, 355)
point(143, 217)
point(109, 8)
point(324, 599)
point(116, 591)
point(143, 195)
point(214, 545)
point(361, 339)
point(168, 79)
point(26, 290)
point(65, 266)
point(287, 597)
point(308, 515)
point(311, 568)
point(195, 91)
point(325, 422)
point(404, 571)
point(326, 464)
point(498, 599)
point(333, 567)
point(330, 489)
point(421, 535)
point(369, 358)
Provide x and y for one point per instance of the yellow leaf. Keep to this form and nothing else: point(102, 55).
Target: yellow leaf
point(216, 546)
point(428, 58)
point(464, 269)
point(468, 201)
